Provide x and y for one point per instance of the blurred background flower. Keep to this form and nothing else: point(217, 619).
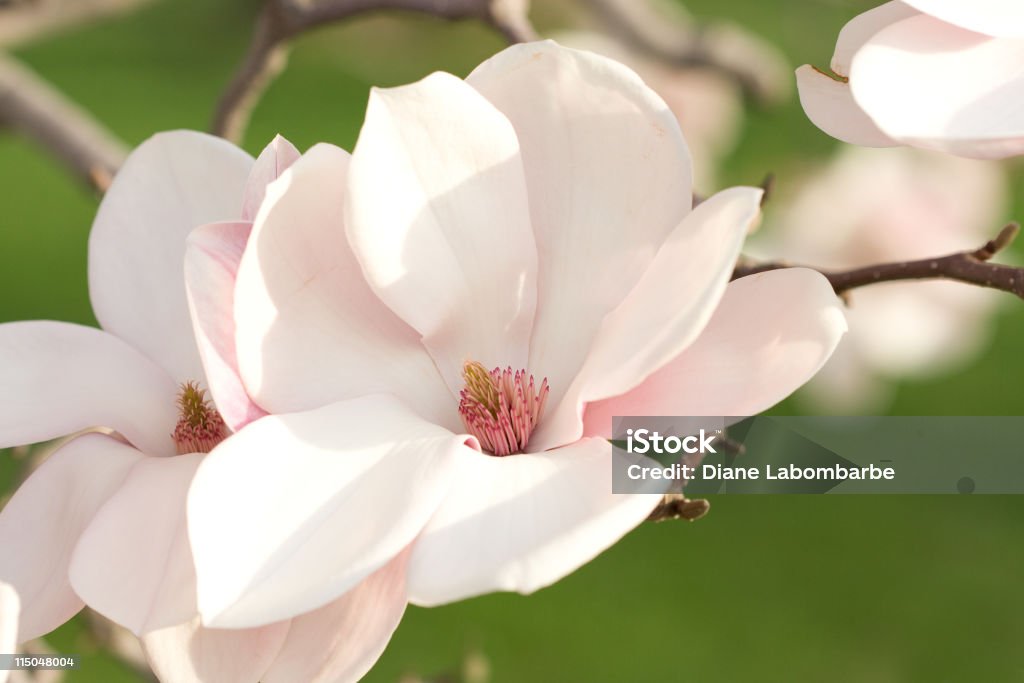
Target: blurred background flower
point(870, 206)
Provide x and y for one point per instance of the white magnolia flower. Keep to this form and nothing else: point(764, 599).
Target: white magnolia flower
point(537, 217)
point(102, 520)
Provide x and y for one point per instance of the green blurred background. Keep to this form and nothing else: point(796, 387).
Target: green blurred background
point(864, 588)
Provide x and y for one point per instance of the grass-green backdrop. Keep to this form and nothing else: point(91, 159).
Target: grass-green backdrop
point(764, 588)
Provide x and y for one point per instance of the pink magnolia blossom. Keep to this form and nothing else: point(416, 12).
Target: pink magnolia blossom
point(946, 75)
point(102, 521)
point(537, 217)
point(892, 205)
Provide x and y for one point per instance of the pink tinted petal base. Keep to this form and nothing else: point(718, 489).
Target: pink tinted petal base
point(341, 641)
point(191, 653)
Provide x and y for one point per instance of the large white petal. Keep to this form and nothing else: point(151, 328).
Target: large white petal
point(170, 184)
point(340, 642)
point(771, 333)
point(41, 523)
point(439, 219)
point(295, 510)
point(829, 105)
point(191, 653)
point(934, 85)
point(664, 313)
point(522, 522)
point(10, 610)
point(309, 329)
point(132, 563)
point(608, 174)
point(59, 378)
point(991, 17)
point(211, 266)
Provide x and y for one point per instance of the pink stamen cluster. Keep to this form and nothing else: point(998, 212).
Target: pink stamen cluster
point(501, 408)
point(200, 427)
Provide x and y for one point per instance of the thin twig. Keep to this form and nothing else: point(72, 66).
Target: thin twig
point(282, 20)
point(971, 267)
point(32, 106)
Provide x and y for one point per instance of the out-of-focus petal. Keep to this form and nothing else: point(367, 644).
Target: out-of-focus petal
point(132, 563)
point(295, 510)
point(41, 524)
point(211, 266)
point(770, 333)
point(10, 610)
point(991, 17)
point(934, 85)
point(171, 184)
point(608, 174)
point(664, 313)
point(339, 642)
point(59, 378)
point(829, 105)
point(522, 522)
point(438, 216)
point(859, 29)
point(191, 653)
point(274, 160)
point(309, 329)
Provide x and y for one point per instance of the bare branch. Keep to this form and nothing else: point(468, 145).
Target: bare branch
point(32, 106)
point(282, 20)
point(28, 21)
point(746, 61)
point(971, 267)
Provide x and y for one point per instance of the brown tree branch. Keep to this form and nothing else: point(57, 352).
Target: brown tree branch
point(971, 267)
point(32, 106)
point(668, 38)
point(282, 20)
point(678, 506)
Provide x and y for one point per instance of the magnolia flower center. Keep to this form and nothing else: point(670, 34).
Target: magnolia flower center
point(501, 408)
point(200, 427)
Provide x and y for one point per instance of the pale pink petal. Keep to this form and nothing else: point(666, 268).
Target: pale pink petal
point(295, 510)
point(664, 313)
point(341, 641)
point(309, 329)
point(132, 563)
point(60, 378)
point(211, 266)
point(438, 216)
point(10, 611)
point(859, 29)
point(608, 174)
point(933, 85)
point(522, 522)
point(170, 184)
point(991, 17)
point(769, 335)
point(829, 105)
point(190, 653)
point(274, 160)
point(40, 525)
